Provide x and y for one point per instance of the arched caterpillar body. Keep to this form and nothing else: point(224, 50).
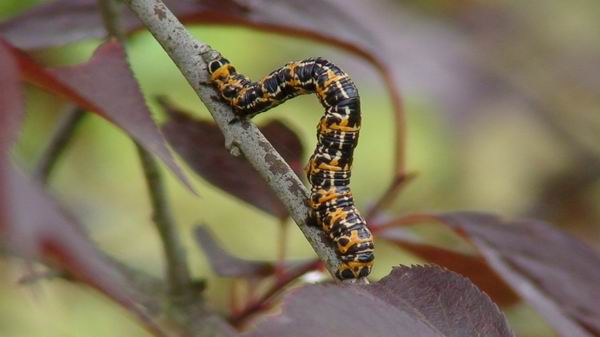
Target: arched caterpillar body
point(329, 167)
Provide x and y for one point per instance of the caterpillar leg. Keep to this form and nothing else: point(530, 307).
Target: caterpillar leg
point(355, 248)
point(353, 270)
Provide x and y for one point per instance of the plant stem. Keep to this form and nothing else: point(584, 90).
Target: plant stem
point(176, 262)
point(389, 195)
point(282, 281)
point(57, 144)
point(111, 16)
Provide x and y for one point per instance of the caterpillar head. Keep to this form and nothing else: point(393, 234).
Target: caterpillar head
point(221, 70)
point(215, 65)
point(225, 78)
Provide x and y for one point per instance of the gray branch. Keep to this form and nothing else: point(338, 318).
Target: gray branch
point(240, 138)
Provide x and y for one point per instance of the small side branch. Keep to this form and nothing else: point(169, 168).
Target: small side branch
point(176, 262)
point(58, 143)
point(187, 53)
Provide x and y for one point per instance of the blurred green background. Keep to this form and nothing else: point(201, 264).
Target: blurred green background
point(502, 101)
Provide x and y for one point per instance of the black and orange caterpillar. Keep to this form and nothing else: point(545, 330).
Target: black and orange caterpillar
point(330, 165)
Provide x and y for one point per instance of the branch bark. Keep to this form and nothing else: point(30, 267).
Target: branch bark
point(191, 55)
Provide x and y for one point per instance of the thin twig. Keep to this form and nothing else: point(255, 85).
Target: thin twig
point(239, 317)
point(390, 194)
point(62, 135)
point(282, 245)
point(187, 53)
point(111, 16)
point(406, 220)
point(176, 262)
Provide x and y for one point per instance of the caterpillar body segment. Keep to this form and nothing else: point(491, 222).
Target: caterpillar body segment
point(329, 168)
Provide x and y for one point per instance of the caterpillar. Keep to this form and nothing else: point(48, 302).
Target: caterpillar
point(329, 167)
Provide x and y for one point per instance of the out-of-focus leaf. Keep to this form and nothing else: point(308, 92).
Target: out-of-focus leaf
point(415, 301)
point(37, 228)
point(446, 300)
point(60, 22)
point(55, 23)
point(105, 85)
point(472, 266)
point(225, 264)
point(11, 112)
point(11, 99)
point(557, 274)
point(202, 145)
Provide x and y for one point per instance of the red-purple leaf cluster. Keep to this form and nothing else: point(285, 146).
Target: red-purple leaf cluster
point(32, 224)
point(106, 86)
point(557, 274)
point(11, 113)
point(416, 301)
point(37, 228)
point(202, 145)
point(64, 21)
point(474, 267)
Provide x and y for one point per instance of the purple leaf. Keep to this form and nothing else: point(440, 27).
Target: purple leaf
point(557, 274)
point(202, 145)
point(225, 264)
point(11, 113)
point(65, 21)
point(38, 229)
point(11, 99)
point(106, 86)
point(444, 299)
point(473, 267)
point(417, 301)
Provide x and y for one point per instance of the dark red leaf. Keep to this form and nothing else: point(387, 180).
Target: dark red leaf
point(446, 300)
point(64, 21)
point(202, 145)
point(225, 264)
point(11, 99)
point(472, 266)
point(38, 228)
point(557, 274)
point(416, 301)
point(11, 113)
point(105, 85)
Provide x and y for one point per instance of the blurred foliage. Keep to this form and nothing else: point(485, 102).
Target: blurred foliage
point(513, 129)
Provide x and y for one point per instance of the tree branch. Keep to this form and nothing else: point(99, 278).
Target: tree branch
point(244, 138)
